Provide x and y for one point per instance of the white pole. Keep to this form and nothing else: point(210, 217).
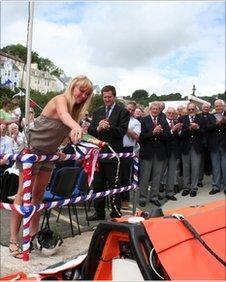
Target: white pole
point(28, 68)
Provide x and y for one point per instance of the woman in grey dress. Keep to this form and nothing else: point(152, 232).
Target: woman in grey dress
point(59, 118)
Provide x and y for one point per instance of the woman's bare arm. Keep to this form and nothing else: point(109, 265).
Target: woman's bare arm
point(65, 117)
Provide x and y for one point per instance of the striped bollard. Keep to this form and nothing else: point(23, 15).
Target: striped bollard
point(135, 182)
point(27, 163)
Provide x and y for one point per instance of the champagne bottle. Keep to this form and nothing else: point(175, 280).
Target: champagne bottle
point(90, 139)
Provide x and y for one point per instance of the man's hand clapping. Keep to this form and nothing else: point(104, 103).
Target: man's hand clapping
point(158, 129)
point(103, 125)
point(194, 126)
point(222, 121)
point(177, 127)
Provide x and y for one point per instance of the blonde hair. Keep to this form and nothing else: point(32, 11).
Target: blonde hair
point(77, 111)
point(11, 126)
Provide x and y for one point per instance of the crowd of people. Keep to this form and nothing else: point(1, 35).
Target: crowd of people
point(177, 142)
point(183, 142)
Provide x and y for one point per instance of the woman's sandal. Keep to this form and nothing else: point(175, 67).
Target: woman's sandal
point(15, 252)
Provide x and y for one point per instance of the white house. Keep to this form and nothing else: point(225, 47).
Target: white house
point(62, 82)
point(14, 69)
point(41, 81)
point(9, 72)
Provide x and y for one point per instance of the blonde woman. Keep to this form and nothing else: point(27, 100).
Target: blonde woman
point(59, 118)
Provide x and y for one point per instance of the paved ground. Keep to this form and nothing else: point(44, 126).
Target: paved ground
point(73, 246)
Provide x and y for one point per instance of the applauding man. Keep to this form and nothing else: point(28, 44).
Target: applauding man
point(109, 124)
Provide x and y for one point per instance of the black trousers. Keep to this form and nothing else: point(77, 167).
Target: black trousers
point(9, 186)
point(126, 171)
point(104, 180)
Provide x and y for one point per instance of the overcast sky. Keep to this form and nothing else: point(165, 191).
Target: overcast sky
point(160, 46)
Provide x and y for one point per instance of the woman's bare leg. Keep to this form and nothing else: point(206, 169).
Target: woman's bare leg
point(15, 216)
point(41, 181)
point(15, 221)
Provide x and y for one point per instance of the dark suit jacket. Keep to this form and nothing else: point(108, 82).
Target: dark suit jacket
point(189, 138)
point(216, 133)
point(119, 120)
point(173, 142)
point(206, 133)
point(151, 144)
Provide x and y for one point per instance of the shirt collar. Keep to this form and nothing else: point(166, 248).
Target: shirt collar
point(154, 117)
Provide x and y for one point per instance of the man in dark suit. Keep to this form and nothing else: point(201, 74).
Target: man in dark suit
point(191, 143)
point(109, 124)
point(153, 152)
point(173, 152)
point(205, 166)
point(216, 128)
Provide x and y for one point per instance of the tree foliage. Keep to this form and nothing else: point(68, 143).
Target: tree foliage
point(18, 50)
point(212, 98)
point(7, 94)
point(143, 98)
point(96, 102)
point(140, 94)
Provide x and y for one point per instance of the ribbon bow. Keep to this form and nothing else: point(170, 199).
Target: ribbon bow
point(90, 163)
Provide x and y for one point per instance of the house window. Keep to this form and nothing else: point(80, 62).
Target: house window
point(15, 74)
point(5, 73)
point(8, 73)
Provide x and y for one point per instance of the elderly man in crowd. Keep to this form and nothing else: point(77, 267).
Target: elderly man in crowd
point(173, 152)
point(180, 109)
point(162, 107)
point(7, 146)
point(153, 153)
point(191, 147)
point(216, 128)
point(205, 166)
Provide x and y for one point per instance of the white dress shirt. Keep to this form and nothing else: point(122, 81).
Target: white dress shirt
point(135, 126)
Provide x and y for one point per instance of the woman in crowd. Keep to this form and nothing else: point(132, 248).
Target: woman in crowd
point(59, 118)
point(16, 135)
point(6, 114)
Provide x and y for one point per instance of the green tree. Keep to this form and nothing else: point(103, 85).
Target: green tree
point(45, 64)
point(96, 102)
point(18, 50)
point(5, 94)
point(154, 97)
point(57, 72)
point(140, 94)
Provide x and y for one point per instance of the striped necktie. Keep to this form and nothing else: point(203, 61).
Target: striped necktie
point(155, 121)
point(171, 124)
point(108, 108)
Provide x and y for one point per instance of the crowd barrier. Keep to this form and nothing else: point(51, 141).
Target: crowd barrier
point(27, 210)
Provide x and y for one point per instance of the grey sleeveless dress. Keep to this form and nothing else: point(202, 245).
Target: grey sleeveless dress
point(46, 135)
